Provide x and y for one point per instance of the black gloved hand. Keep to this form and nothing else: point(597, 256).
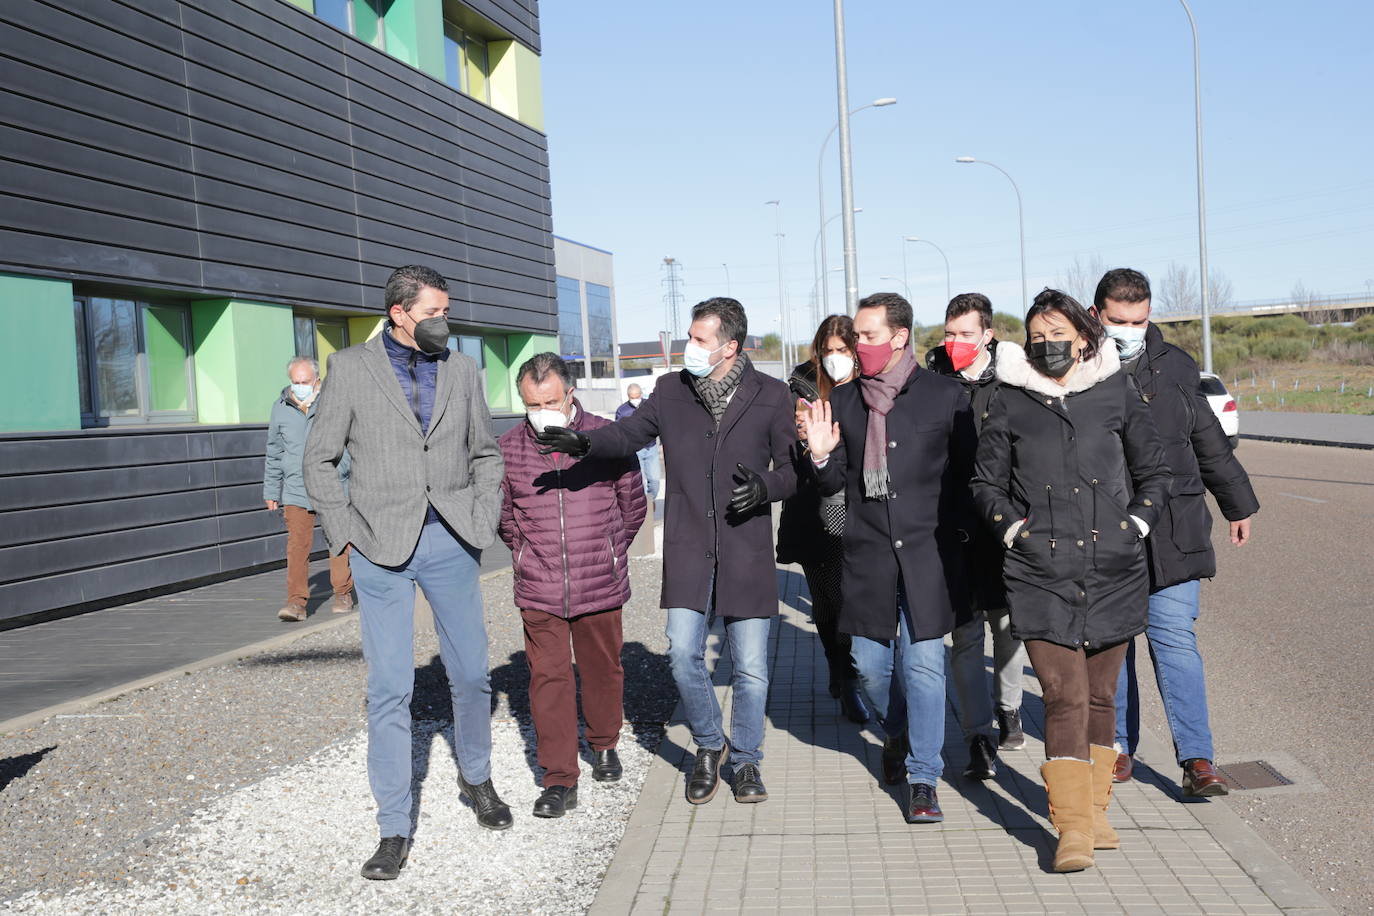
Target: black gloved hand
point(562, 439)
point(750, 494)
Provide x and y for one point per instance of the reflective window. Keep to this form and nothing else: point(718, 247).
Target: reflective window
point(570, 345)
point(601, 345)
point(362, 18)
point(465, 62)
point(320, 338)
point(134, 361)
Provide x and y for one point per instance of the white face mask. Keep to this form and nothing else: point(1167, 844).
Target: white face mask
point(635, 401)
point(302, 393)
point(838, 366)
point(696, 359)
point(1129, 340)
point(541, 417)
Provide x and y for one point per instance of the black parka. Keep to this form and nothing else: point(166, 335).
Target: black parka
point(800, 533)
point(700, 540)
point(1199, 455)
point(1076, 463)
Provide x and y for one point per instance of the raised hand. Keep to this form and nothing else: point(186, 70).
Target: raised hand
point(822, 433)
point(562, 439)
point(751, 493)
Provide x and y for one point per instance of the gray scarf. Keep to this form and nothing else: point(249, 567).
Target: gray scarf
point(716, 395)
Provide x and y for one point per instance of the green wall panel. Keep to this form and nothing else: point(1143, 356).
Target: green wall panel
point(38, 372)
point(516, 83)
point(415, 34)
point(521, 347)
point(242, 349)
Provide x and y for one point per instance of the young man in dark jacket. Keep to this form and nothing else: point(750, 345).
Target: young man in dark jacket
point(722, 423)
point(568, 525)
point(1180, 545)
point(969, 355)
point(900, 441)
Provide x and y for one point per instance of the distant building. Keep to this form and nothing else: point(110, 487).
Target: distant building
point(586, 310)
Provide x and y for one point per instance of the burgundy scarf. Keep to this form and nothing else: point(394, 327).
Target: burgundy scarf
point(879, 393)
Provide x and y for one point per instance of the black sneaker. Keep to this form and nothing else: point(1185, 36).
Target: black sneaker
point(1012, 738)
point(705, 779)
point(386, 863)
point(982, 758)
point(749, 784)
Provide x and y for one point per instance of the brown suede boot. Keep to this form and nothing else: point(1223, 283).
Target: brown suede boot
point(1104, 835)
point(1069, 784)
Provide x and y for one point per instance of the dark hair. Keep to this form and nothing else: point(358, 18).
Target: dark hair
point(1121, 284)
point(841, 326)
point(964, 303)
point(733, 323)
point(1053, 300)
point(898, 309)
point(541, 365)
point(405, 284)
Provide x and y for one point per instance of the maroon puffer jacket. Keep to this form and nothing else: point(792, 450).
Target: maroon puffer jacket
point(568, 523)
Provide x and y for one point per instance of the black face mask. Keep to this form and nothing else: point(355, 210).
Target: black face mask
point(431, 335)
point(1052, 357)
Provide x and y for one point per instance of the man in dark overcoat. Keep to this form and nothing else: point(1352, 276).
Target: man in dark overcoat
point(900, 441)
point(722, 424)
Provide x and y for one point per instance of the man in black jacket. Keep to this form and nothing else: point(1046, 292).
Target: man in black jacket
point(969, 355)
point(1180, 545)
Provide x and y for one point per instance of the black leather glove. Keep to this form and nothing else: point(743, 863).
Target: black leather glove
point(562, 439)
point(750, 494)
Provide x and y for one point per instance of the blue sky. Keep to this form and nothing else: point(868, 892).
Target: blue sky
point(670, 125)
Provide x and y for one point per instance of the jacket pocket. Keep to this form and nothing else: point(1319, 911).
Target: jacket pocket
point(1190, 524)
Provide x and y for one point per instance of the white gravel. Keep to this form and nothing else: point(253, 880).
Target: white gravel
point(293, 843)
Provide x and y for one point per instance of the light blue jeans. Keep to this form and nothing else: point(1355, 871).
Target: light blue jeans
point(748, 638)
point(447, 569)
point(1178, 670)
point(648, 467)
point(904, 682)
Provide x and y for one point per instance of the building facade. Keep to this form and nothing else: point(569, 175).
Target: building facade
point(586, 312)
point(194, 191)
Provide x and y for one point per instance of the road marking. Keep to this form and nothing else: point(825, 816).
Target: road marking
point(1310, 499)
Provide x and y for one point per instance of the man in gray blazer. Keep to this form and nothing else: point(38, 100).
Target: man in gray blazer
point(423, 500)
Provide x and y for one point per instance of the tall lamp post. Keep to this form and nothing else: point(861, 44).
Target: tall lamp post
point(782, 289)
point(912, 238)
point(1203, 280)
point(727, 279)
point(821, 278)
point(1020, 222)
point(820, 191)
point(906, 286)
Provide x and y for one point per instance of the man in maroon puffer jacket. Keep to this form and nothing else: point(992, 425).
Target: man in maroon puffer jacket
point(568, 524)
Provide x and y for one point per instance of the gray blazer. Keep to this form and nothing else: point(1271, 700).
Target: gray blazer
point(396, 471)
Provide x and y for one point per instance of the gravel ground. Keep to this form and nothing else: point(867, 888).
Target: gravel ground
point(117, 795)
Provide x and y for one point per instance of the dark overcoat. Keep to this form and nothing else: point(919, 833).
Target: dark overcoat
point(917, 535)
point(1200, 457)
point(1075, 463)
point(700, 540)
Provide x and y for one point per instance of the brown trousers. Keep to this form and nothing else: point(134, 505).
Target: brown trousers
point(550, 642)
point(300, 535)
point(1080, 695)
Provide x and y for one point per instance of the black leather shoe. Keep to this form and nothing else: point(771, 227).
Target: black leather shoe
point(922, 807)
point(701, 787)
point(982, 758)
point(1011, 737)
point(386, 863)
point(555, 801)
point(492, 813)
point(606, 765)
point(852, 703)
point(749, 785)
point(894, 760)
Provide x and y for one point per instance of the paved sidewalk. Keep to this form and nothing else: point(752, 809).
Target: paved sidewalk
point(832, 839)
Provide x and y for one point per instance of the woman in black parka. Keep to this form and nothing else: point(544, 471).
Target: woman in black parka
point(1070, 474)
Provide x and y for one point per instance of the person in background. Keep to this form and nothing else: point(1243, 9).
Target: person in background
point(283, 487)
point(969, 355)
point(1180, 546)
point(1071, 476)
point(648, 455)
point(811, 528)
point(568, 525)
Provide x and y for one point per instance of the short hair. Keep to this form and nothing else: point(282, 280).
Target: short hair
point(734, 324)
point(297, 360)
point(1053, 300)
point(540, 366)
point(964, 303)
point(635, 386)
point(405, 284)
point(898, 309)
point(1122, 284)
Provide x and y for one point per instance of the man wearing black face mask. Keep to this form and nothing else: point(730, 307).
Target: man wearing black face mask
point(424, 499)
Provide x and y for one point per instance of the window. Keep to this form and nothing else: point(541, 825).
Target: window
point(570, 319)
point(134, 361)
point(600, 346)
point(1211, 385)
point(469, 345)
point(465, 62)
point(320, 338)
point(361, 18)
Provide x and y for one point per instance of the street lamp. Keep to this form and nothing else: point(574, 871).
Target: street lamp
point(905, 285)
point(727, 279)
point(1020, 222)
point(782, 291)
point(912, 238)
point(1201, 198)
point(820, 188)
point(820, 276)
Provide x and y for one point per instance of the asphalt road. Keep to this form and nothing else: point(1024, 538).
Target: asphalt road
point(1287, 634)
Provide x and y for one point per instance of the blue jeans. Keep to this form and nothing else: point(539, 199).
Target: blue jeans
point(904, 681)
point(1178, 669)
point(447, 569)
point(648, 467)
point(748, 638)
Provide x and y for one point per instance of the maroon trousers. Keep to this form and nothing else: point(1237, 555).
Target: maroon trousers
point(550, 642)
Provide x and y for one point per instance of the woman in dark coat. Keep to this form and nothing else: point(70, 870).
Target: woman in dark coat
point(1070, 474)
point(811, 529)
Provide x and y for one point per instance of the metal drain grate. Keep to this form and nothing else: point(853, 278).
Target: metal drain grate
point(1252, 774)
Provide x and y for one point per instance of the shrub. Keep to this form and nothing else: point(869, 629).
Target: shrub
point(1009, 327)
point(1228, 355)
point(1282, 349)
point(1364, 324)
point(1278, 325)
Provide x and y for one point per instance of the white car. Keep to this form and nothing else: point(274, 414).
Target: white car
point(1223, 405)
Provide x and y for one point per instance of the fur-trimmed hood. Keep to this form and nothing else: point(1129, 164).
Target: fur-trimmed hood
point(1013, 368)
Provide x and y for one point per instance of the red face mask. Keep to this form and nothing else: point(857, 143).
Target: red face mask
point(873, 357)
point(961, 354)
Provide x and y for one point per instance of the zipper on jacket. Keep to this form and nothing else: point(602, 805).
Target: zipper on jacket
point(563, 545)
point(414, 390)
point(1049, 499)
point(1094, 528)
point(615, 561)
